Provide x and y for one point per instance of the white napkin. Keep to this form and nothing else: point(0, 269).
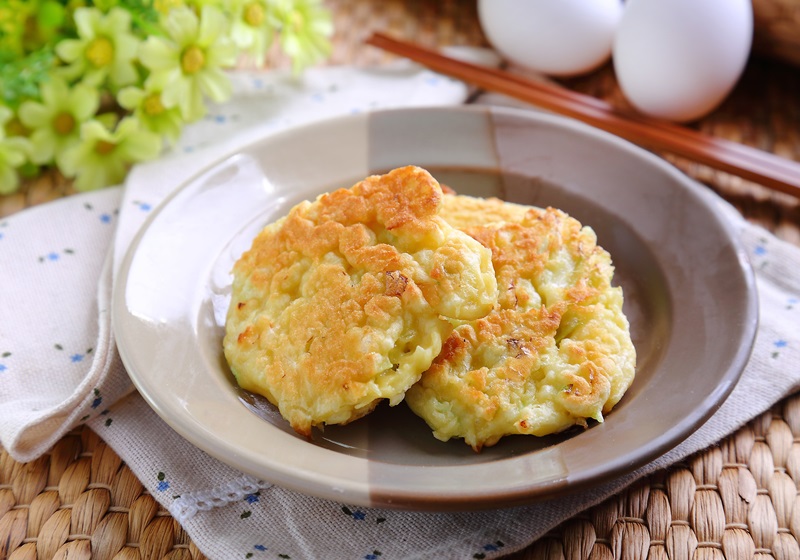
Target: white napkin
point(59, 367)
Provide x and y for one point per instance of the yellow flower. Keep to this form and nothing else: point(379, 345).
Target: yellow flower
point(102, 157)
point(13, 154)
point(187, 64)
point(305, 28)
point(11, 123)
point(55, 122)
point(147, 106)
point(104, 50)
point(253, 27)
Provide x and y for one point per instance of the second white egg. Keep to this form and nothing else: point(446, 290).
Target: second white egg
point(679, 59)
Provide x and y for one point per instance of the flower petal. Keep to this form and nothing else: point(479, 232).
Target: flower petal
point(9, 179)
point(20, 144)
point(43, 146)
point(33, 114)
point(118, 21)
point(158, 54)
point(141, 146)
point(90, 177)
point(13, 151)
point(130, 97)
point(179, 88)
point(181, 24)
point(185, 94)
point(69, 50)
point(261, 44)
point(116, 170)
point(215, 84)
point(323, 27)
point(125, 47)
point(94, 77)
point(126, 127)
point(223, 53)
point(171, 126)
point(84, 101)
point(64, 143)
point(94, 130)
point(157, 81)
point(68, 160)
point(212, 25)
point(122, 73)
point(242, 34)
point(192, 106)
point(87, 20)
point(54, 92)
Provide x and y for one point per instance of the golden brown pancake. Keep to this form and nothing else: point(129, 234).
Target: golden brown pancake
point(556, 349)
point(346, 300)
point(467, 211)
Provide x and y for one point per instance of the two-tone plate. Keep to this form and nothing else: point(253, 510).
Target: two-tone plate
point(689, 295)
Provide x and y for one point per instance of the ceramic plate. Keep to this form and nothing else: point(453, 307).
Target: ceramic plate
point(688, 294)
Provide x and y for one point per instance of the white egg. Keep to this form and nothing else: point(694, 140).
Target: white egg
point(678, 59)
point(556, 37)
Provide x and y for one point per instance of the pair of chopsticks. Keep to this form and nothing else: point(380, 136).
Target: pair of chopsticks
point(767, 169)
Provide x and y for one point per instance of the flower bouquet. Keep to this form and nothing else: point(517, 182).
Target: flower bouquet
point(91, 87)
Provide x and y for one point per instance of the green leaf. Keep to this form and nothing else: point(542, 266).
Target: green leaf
point(105, 5)
point(51, 14)
point(29, 170)
point(144, 17)
point(13, 15)
point(20, 78)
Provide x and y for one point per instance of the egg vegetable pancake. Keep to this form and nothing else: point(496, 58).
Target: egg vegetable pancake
point(346, 300)
point(467, 211)
point(556, 349)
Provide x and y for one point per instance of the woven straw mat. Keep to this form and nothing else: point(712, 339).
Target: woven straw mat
point(737, 500)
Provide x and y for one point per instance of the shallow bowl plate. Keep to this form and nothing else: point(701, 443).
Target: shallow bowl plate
point(689, 294)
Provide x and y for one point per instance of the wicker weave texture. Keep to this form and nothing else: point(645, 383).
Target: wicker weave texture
point(79, 502)
point(736, 501)
point(777, 29)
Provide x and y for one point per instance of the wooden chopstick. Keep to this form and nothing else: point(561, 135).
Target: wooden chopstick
point(767, 169)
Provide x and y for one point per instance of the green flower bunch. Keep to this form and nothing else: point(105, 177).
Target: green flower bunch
point(92, 87)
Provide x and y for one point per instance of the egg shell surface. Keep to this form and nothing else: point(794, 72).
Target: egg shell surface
point(555, 37)
point(678, 60)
